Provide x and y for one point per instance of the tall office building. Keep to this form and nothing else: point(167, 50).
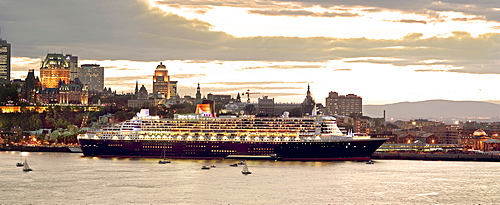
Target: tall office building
point(73, 66)
point(173, 88)
point(4, 62)
point(161, 81)
point(55, 68)
point(343, 104)
point(92, 76)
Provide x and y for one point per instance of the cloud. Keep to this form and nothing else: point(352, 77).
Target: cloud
point(286, 12)
point(262, 83)
point(24, 63)
point(343, 69)
point(133, 30)
point(486, 9)
point(186, 76)
point(411, 21)
point(430, 70)
point(127, 69)
point(283, 67)
point(207, 4)
point(127, 78)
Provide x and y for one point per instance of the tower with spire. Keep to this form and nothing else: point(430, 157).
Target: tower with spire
point(198, 92)
point(136, 94)
point(308, 105)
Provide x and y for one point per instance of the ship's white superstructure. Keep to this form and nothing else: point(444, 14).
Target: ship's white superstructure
point(198, 127)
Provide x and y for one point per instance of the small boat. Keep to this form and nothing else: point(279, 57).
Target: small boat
point(245, 169)
point(205, 167)
point(164, 161)
point(241, 163)
point(233, 165)
point(370, 162)
point(26, 168)
point(20, 164)
point(213, 166)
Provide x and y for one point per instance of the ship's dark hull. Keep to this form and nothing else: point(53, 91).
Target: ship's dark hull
point(308, 151)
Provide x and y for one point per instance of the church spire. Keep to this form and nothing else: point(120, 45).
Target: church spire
point(136, 89)
point(198, 92)
point(308, 90)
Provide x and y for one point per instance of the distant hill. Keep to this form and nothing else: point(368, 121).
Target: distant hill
point(435, 109)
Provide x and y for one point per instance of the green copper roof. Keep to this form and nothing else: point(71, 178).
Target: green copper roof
point(55, 60)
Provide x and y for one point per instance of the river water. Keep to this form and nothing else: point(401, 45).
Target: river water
point(69, 178)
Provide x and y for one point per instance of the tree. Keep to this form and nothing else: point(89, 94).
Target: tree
point(9, 93)
point(296, 112)
point(250, 109)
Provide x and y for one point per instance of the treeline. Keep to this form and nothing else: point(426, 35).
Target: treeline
point(55, 117)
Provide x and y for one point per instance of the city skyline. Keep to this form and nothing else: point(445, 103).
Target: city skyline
point(382, 51)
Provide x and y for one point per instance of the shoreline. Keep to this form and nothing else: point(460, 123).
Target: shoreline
point(438, 157)
point(376, 155)
point(23, 148)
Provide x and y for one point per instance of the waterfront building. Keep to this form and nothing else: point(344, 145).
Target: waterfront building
point(444, 134)
point(417, 123)
point(481, 141)
point(92, 76)
point(343, 104)
point(5, 54)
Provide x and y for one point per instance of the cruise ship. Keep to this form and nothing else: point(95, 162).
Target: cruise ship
point(197, 136)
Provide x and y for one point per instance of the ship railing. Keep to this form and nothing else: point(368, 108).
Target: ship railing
point(216, 138)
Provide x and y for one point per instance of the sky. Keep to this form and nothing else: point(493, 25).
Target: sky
point(385, 51)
